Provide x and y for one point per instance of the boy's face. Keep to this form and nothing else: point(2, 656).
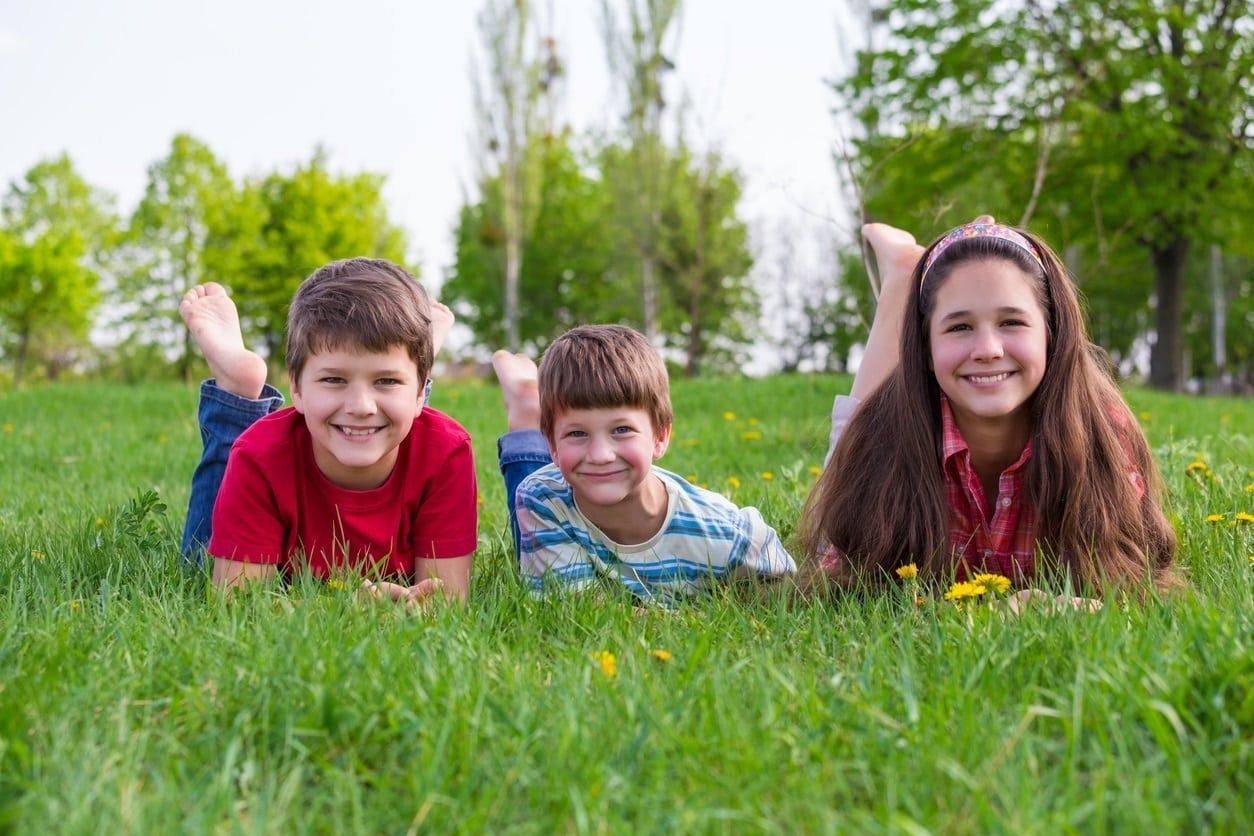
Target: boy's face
point(359, 407)
point(606, 455)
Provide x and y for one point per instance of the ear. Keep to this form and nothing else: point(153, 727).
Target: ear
point(661, 441)
point(297, 400)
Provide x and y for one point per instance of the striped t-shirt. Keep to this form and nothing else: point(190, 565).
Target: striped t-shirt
point(704, 540)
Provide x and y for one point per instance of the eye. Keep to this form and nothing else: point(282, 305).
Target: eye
point(575, 434)
point(389, 381)
point(1014, 323)
point(957, 326)
point(331, 380)
point(623, 430)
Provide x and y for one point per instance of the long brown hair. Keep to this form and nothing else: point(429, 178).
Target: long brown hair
point(881, 498)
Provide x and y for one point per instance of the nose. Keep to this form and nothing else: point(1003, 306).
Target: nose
point(600, 450)
point(988, 345)
point(359, 400)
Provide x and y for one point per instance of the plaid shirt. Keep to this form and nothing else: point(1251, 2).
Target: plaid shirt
point(1003, 542)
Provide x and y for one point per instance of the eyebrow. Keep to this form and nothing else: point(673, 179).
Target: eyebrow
point(1005, 311)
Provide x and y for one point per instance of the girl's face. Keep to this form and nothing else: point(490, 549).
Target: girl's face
point(988, 336)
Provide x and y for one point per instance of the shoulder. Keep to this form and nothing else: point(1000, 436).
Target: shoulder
point(545, 485)
point(432, 426)
point(697, 501)
point(274, 436)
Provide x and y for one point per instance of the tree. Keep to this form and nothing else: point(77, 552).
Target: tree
point(569, 255)
point(637, 49)
point(521, 69)
point(287, 226)
point(182, 218)
point(704, 255)
point(58, 231)
point(1121, 124)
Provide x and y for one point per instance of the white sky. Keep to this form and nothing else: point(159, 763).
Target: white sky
point(385, 87)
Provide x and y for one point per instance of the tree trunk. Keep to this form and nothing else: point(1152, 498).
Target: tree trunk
point(1219, 317)
point(1167, 353)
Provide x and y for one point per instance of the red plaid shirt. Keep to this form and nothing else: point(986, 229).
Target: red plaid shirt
point(1003, 542)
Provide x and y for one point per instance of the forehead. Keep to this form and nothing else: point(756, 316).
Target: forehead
point(600, 415)
point(987, 284)
point(396, 357)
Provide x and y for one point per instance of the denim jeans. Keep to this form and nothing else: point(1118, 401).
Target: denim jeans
point(223, 417)
point(520, 453)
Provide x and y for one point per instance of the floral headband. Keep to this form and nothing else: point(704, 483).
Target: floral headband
point(1001, 231)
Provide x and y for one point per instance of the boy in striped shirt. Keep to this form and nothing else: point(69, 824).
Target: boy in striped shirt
point(587, 503)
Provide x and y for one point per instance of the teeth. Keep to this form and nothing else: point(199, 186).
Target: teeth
point(355, 432)
point(988, 378)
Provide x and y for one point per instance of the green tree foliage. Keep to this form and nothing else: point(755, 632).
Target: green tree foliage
point(285, 226)
point(1120, 128)
point(569, 275)
point(181, 229)
point(56, 232)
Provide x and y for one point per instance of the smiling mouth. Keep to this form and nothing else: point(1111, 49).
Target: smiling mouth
point(988, 378)
point(358, 432)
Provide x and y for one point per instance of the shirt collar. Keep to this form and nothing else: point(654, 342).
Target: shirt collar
point(952, 442)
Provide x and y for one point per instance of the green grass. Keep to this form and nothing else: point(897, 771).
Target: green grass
point(132, 700)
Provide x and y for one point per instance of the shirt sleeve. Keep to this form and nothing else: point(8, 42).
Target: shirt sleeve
point(247, 522)
point(765, 556)
point(842, 410)
point(447, 519)
point(550, 555)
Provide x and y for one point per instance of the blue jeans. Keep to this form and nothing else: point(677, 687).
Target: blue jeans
point(520, 453)
point(223, 416)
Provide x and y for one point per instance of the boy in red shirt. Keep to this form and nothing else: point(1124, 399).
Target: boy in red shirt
point(358, 477)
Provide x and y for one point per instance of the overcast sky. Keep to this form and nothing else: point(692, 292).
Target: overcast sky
point(384, 87)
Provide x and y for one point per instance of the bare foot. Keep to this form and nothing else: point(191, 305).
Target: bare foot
point(214, 325)
point(441, 323)
point(896, 254)
point(520, 387)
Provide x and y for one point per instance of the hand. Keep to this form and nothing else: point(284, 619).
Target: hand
point(1027, 599)
point(415, 598)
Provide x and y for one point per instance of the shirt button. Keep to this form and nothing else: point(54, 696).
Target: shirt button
point(1005, 502)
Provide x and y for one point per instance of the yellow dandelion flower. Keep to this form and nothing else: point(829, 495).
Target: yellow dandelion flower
point(1145, 416)
point(8, 428)
point(74, 605)
point(768, 475)
point(1252, 558)
point(163, 438)
point(1214, 518)
point(730, 416)
point(1245, 516)
point(606, 662)
point(692, 477)
point(751, 435)
point(908, 571)
point(99, 522)
point(753, 422)
point(733, 482)
point(1249, 488)
point(1224, 419)
point(999, 582)
point(335, 583)
point(661, 655)
point(1195, 466)
point(479, 499)
point(38, 555)
point(815, 470)
point(965, 589)
point(919, 601)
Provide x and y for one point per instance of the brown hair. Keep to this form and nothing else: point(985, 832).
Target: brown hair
point(881, 499)
point(601, 367)
point(363, 303)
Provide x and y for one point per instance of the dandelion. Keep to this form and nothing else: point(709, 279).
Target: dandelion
point(730, 416)
point(74, 605)
point(908, 572)
point(1245, 517)
point(1214, 518)
point(606, 662)
point(815, 470)
point(1249, 488)
point(8, 428)
point(479, 499)
point(768, 475)
point(751, 435)
point(753, 422)
point(919, 601)
point(1195, 466)
point(1145, 416)
point(692, 477)
point(163, 438)
point(733, 482)
point(99, 522)
point(999, 582)
point(335, 583)
point(661, 655)
point(965, 589)
point(38, 555)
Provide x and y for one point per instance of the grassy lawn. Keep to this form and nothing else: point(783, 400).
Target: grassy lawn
point(133, 700)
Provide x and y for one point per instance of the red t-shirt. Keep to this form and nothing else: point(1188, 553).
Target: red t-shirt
point(276, 507)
